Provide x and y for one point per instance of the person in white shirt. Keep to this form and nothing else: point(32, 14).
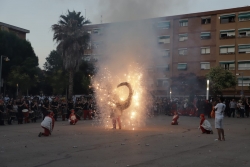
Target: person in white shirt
point(219, 112)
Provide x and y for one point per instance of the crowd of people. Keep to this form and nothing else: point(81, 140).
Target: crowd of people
point(199, 105)
point(29, 109)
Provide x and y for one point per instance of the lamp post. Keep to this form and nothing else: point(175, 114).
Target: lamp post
point(207, 96)
point(242, 74)
point(16, 90)
point(6, 59)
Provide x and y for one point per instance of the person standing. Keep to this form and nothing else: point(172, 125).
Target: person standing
point(116, 117)
point(1, 112)
point(247, 108)
point(241, 108)
point(219, 115)
point(232, 106)
point(45, 107)
point(54, 107)
point(208, 108)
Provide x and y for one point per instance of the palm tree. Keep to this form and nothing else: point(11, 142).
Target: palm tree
point(72, 39)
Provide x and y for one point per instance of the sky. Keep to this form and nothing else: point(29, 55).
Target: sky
point(39, 15)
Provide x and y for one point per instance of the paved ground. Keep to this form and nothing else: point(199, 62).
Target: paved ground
point(156, 144)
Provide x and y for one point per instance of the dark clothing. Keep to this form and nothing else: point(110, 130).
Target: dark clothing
point(45, 109)
point(208, 109)
point(54, 106)
point(1, 115)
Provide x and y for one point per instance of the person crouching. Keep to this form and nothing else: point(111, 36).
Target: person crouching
point(175, 118)
point(47, 124)
point(72, 118)
point(205, 125)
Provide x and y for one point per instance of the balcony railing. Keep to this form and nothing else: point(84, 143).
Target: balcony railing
point(229, 53)
point(228, 37)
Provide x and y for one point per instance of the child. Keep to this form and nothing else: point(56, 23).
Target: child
point(72, 118)
point(175, 118)
point(47, 124)
point(205, 125)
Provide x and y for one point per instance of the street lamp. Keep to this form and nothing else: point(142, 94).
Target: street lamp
point(6, 59)
point(242, 74)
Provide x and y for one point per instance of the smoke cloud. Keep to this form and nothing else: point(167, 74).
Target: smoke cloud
point(124, 10)
point(127, 49)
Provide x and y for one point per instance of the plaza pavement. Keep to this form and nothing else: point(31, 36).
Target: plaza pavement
point(158, 144)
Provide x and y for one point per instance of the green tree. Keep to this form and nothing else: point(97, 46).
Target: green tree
point(23, 80)
point(21, 55)
point(220, 79)
point(58, 82)
point(53, 62)
point(72, 40)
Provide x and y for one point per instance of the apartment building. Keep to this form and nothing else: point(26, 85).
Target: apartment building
point(20, 32)
point(193, 43)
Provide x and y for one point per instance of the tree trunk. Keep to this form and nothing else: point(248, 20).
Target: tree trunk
point(71, 82)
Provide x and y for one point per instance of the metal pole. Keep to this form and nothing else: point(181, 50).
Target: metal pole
point(16, 90)
point(207, 97)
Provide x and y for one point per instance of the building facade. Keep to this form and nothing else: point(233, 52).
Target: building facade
point(193, 43)
point(20, 32)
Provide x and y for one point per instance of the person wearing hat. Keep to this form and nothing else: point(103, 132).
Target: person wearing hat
point(47, 124)
point(205, 125)
point(72, 118)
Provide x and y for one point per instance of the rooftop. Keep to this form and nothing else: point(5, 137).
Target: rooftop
point(14, 27)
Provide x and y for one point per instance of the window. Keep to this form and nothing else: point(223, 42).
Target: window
point(182, 66)
point(182, 51)
point(163, 24)
point(228, 65)
point(96, 31)
point(244, 81)
point(163, 82)
point(205, 35)
point(162, 68)
point(205, 65)
point(244, 16)
point(227, 49)
point(183, 37)
point(165, 53)
point(224, 34)
point(86, 57)
point(228, 18)
point(244, 32)
point(206, 20)
point(244, 65)
point(164, 39)
point(205, 50)
point(244, 48)
point(183, 23)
